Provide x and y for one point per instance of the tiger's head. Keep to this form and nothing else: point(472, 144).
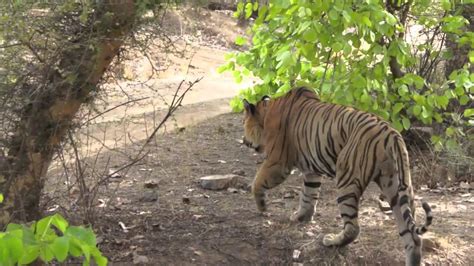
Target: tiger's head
point(254, 116)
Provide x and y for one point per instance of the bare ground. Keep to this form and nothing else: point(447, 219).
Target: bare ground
point(188, 225)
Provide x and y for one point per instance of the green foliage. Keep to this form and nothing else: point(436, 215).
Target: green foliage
point(343, 50)
point(49, 239)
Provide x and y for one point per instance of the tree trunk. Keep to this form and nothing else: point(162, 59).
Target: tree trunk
point(44, 122)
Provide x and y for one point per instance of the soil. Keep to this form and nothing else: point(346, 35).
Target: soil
point(188, 225)
point(156, 213)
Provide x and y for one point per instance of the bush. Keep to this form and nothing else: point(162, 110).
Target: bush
point(51, 238)
point(355, 53)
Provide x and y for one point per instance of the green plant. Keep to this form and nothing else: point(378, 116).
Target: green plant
point(355, 53)
point(51, 238)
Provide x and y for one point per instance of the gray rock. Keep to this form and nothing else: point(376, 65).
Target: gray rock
point(139, 259)
point(149, 196)
point(220, 182)
point(239, 172)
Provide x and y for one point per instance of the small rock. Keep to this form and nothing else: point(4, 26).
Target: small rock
point(239, 172)
point(232, 190)
point(430, 244)
point(149, 196)
point(288, 195)
point(139, 259)
point(114, 174)
point(464, 185)
point(150, 184)
point(296, 254)
point(221, 161)
point(218, 182)
point(384, 206)
point(197, 217)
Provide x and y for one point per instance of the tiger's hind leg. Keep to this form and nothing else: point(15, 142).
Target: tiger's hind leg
point(349, 207)
point(400, 199)
point(308, 198)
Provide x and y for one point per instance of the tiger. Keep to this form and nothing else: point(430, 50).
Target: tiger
point(299, 131)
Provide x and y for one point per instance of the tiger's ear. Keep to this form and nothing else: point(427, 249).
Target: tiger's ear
point(250, 108)
point(265, 98)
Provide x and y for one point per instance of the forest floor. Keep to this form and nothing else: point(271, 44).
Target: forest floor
point(156, 212)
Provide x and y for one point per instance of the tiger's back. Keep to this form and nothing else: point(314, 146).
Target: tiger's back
point(355, 147)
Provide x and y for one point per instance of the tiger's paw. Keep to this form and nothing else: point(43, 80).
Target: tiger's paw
point(301, 217)
point(332, 240)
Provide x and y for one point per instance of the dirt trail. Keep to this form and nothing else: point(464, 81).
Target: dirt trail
point(134, 122)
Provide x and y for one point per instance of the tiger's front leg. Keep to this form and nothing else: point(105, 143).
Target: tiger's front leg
point(268, 176)
point(308, 198)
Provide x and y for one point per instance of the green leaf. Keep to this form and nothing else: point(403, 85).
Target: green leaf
point(416, 110)
point(406, 123)
point(15, 245)
point(367, 21)
point(469, 112)
point(397, 125)
point(310, 35)
point(248, 9)
point(30, 254)
point(240, 40)
point(60, 248)
point(1, 198)
point(424, 112)
point(336, 47)
point(43, 227)
point(60, 223)
point(46, 254)
point(237, 76)
point(99, 259)
point(255, 6)
point(463, 100)
point(397, 107)
point(450, 131)
point(333, 15)
point(446, 4)
point(390, 18)
point(442, 101)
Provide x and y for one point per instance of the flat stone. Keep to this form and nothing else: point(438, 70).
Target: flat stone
point(149, 196)
point(139, 259)
point(220, 182)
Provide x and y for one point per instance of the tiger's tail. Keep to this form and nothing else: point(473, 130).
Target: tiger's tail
point(428, 220)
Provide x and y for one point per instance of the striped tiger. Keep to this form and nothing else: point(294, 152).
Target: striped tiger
point(299, 131)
